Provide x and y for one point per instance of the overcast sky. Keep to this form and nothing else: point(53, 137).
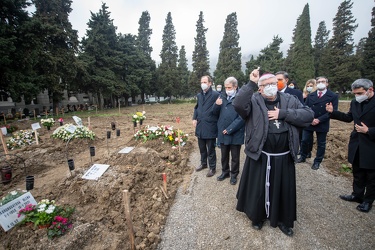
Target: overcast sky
point(258, 21)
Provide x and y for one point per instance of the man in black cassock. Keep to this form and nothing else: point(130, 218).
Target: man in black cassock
point(267, 189)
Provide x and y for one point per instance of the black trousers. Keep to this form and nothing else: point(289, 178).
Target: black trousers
point(235, 151)
point(363, 181)
point(207, 151)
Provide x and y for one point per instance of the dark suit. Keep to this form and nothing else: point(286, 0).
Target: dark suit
point(318, 105)
point(297, 93)
point(206, 129)
point(361, 149)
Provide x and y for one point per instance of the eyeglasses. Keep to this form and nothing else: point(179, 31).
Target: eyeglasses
point(265, 85)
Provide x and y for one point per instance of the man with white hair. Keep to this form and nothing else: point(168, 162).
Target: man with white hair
point(267, 188)
point(361, 144)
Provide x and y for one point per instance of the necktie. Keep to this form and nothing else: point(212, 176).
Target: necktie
point(229, 97)
point(320, 94)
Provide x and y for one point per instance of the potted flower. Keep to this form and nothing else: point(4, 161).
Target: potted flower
point(11, 196)
point(49, 122)
point(44, 213)
point(138, 117)
point(59, 227)
point(61, 121)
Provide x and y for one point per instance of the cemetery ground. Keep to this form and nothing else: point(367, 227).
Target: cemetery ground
point(99, 221)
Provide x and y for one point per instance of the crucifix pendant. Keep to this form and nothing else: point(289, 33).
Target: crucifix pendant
point(277, 123)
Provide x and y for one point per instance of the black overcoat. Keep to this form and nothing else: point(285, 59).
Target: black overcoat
point(203, 112)
point(365, 143)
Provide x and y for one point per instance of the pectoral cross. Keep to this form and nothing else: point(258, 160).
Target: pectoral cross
point(277, 124)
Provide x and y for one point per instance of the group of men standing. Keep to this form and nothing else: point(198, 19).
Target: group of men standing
point(269, 118)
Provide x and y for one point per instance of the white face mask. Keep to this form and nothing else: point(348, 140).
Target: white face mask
point(270, 90)
point(321, 86)
point(204, 86)
point(361, 98)
point(230, 92)
point(291, 86)
point(218, 89)
point(309, 89)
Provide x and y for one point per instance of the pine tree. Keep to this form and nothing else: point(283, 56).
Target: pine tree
point(167, 71)
point(339, 59)
point(270, 59)
point(229, 62)
point(148, 68)
point(369, 52)
point(56, 66)
point(200, 56)
point(100, 55)
point(321, 41)
point(300, 57)
point(183, 72)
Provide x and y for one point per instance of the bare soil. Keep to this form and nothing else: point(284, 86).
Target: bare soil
point(99, 220)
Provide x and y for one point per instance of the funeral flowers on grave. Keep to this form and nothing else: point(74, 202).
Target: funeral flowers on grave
point(21, 138)
point(168, 134)
point(138, 116)
point(49, 122)
point(81, 132)
point(11, 196)
point(46, 213)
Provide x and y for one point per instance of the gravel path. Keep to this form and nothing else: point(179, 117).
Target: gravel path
point(204, 216)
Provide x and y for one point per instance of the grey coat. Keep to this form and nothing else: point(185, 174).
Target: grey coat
point(251, 107)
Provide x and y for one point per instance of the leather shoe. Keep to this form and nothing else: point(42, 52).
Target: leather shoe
point(211, 173)
point(301, 159)
point(364, 207)
point(200, 167)
point(350, 197)
point(315, 166)
point(222, 176)
point(257, 225)
point(286, 230)
point(233, 180)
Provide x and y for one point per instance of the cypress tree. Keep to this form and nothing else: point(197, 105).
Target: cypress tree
point(183, 74)
point(200, 58)
point(321, 41)
point(167, 71)
point(229, 62)
point(300, 57)
point(369, 52)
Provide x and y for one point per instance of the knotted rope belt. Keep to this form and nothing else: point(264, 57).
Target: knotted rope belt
point(267, 186)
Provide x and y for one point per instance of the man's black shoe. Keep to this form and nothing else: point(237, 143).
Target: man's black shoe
point(257, 225)
point(222, 176)
point(350, 197)
point(315, 166)
point(301, 159)
point(200, 167)
point(364, 207)
point(233, 180)
point(286, 230)
point(308, 155)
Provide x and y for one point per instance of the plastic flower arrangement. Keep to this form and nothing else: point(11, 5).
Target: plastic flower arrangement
point(21, 138)
point(166, 132)
point(138, 116)
point(80, 132)
point(49, 122)
point(11, 196)
point(47, 214)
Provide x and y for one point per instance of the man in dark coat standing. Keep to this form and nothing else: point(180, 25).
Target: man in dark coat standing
point(361, 144)
point(317, 102)
point(282, 85)
point(231, 131)
point(205, 123)
point(267, 189)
